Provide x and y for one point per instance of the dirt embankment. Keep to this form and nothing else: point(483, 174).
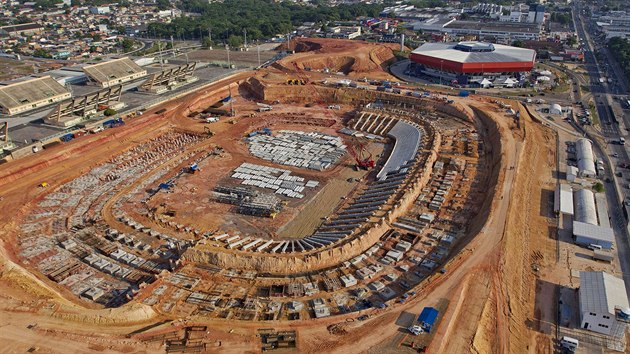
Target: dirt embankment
point(353, 58)
point(506, 321)
point(528, 240)
point(490, 131)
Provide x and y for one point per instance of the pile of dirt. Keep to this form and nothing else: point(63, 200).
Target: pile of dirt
point(305, 45)
point(335, 64)
point(353, 58)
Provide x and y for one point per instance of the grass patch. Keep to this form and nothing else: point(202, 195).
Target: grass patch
point(598, 187)
point(585, 88)
point(594, 114)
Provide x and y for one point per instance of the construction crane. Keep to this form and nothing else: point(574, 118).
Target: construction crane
point(363, 157)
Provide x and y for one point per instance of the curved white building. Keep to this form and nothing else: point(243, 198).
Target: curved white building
point(555, 109)
point(584, 210)
point(585, 159)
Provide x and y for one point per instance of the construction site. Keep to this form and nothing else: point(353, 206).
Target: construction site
point(294, 208)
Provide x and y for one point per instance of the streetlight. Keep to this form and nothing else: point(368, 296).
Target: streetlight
point(227, 49)
point(258, 52)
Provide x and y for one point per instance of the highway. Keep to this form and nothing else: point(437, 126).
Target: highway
point(612, 128)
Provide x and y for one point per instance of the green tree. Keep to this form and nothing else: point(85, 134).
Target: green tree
point(163, 4)
point(127, 45)
point(235, 41)
point(206, 42)
point(598, 187)
point(109, 112)
point(41, 53)
point(518, 43)
point(620, 50)
point(571, 41)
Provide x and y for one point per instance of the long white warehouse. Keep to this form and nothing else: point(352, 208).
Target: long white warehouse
point(585, 159)
point(584, 206)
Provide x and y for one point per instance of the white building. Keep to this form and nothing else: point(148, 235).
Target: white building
point(100, 10)
point(563, 201)
point(555, 109)
point(395, 255)
point(585, 159)
point(601, 295)
point(589, 234)
point(572, 173)
point(514, 16)
point(348, 280)
point(536, 14)
point(584, 207)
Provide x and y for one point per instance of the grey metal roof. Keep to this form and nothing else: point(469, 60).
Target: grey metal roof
point(407, 141)
point(32, 90)
point(565, 199)
point(601, 292)
point(501, 53)
point(595, 232)
point(584, 154)
point(113, 69)
point(585, 211)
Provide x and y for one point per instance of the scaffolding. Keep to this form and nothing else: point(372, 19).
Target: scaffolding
point(249, 201)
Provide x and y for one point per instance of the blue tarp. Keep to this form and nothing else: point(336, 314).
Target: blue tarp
point(227, 99)
point(427, 318)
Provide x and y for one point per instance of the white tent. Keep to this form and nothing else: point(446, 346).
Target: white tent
point(545, 73)
point(555, 109)
point(506, 81)
point(543, 78)
point(485, 83)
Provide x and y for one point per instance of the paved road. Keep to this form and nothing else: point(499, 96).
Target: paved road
point(615, 190)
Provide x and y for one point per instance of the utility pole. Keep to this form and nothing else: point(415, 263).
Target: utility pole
point(245, 34)
point(172, 46)
point(258, 51)
point(227, 49)
point(210, 33)
point(159, 43)
point(289, 41)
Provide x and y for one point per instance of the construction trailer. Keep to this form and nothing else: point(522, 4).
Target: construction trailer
point(427, 318)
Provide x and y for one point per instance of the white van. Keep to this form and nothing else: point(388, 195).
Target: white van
point(595, 247)
point(569, 343)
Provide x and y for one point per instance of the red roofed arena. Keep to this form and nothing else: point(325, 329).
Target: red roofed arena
point(474, 64)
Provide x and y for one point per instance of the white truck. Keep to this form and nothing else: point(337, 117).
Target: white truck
point(569, 343)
